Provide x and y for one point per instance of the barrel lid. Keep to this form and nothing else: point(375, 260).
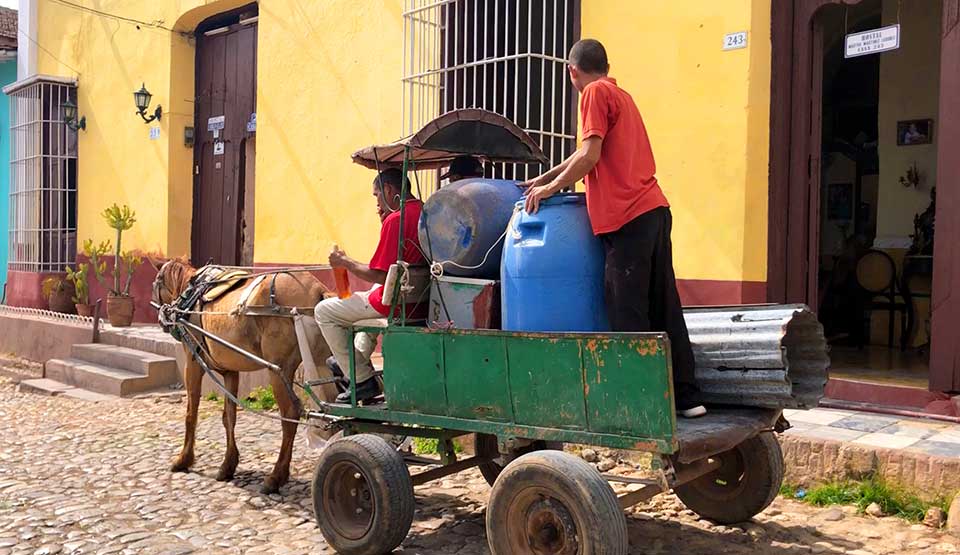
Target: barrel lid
point(558, 199)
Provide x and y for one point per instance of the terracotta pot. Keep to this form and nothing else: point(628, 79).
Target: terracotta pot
point(85, 309)
point(120, 310)
point(62, 300)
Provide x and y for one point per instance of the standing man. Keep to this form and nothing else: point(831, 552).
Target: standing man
point(628, 212)
point(335, 316)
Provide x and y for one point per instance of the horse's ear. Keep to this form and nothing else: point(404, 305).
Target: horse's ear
point(156, 265)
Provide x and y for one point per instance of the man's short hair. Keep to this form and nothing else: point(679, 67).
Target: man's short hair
point(394, 178)
point(464, 166)
point(589, 56)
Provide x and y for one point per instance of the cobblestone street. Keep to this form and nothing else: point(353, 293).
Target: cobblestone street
point(83, 477)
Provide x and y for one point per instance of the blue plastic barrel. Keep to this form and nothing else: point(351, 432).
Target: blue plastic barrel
point(464, 220)
point(552, 271)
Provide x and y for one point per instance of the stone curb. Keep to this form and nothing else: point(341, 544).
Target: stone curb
point(811, 461)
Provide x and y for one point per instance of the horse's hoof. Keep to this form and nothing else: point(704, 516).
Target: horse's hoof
point(181, 465)
point(269, 486)
point(225, 476)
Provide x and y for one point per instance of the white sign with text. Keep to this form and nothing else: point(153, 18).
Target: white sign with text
point(872, 42)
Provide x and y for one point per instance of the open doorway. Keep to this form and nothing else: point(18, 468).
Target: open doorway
point(878, 167)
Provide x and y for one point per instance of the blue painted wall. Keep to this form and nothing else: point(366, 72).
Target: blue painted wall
point(8, 74)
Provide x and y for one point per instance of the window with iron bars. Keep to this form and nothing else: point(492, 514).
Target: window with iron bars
point(505, 56)
point(43, 178)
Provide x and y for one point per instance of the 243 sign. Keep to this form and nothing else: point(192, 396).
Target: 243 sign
point(735, 41)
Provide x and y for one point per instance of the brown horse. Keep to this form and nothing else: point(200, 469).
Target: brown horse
point(270, 337)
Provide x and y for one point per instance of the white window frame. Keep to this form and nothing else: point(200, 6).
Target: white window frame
point(43, 176)
point(446, 66)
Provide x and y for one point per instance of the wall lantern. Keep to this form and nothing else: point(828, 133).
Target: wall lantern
point(142, 99)
point(70, 116)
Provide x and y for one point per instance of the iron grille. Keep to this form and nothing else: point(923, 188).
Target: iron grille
point(506, 56)
point(43, 178)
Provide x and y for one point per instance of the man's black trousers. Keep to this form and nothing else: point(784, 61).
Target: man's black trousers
point(641, 289)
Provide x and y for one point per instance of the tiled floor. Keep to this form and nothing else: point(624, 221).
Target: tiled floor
point(876, 430)
point(880, 364)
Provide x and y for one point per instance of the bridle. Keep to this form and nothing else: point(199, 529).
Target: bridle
point(160, 285)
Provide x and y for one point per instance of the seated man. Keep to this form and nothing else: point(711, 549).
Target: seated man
point(335, 316)
point(463, 167)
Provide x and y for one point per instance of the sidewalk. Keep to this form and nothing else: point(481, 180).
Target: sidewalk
point(830, 444)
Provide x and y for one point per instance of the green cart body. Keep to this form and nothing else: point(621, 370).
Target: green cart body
point(612, 390)
point(523, 394)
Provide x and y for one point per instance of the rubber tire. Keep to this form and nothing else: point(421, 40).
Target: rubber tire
point(486, 444)
point(759, 485)
point(600, 522)
point(389, 483)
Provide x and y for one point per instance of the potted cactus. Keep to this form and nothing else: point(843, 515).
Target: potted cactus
point(59, 294)
point(81, 284)
point(119, 302)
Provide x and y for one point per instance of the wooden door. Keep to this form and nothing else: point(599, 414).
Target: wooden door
point(945, 304)
point(796, 105)
point(225, 103)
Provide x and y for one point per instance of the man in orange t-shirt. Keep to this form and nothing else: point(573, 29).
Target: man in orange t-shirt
point(628, 212)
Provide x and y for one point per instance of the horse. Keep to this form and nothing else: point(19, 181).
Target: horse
point(270, 337)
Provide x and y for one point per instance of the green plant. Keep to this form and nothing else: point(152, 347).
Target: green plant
point(261, 398)
point(96, 253)
point(120, 219)
point(131, 261)
point(52, 285)
point(431, 446)
point(893, 500)
point(80, 282)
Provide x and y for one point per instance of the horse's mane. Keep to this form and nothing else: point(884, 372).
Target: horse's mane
point(179, 271)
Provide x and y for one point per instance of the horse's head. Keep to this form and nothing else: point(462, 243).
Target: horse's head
point(172, 278)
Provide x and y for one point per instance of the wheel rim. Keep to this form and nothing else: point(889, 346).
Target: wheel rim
point(538, 523)
point(348, 500)
point(727, 481)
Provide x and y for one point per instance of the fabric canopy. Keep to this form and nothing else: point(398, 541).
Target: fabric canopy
point(471, 131)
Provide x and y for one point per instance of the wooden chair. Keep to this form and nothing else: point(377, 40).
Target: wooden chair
point(877, 279)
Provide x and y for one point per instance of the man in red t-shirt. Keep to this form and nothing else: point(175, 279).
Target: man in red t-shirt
point(335, 316)
point(628, 212)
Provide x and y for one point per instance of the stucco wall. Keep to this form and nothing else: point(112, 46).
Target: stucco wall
point(328, 83)
point(8, 74)
point(909, 89)
point(708, 115)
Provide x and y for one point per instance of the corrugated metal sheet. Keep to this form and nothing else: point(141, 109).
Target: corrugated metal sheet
point(772, 356)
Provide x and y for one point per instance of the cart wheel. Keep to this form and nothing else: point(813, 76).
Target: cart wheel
point(362, 496)
point(550, 502)
point(747, 481)
point(485, 445)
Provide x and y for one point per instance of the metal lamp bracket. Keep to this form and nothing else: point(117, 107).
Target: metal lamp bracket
point(156, 114)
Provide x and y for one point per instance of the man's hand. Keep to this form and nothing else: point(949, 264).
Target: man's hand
point(338, 258)
point(538, 181)
point(537, 194)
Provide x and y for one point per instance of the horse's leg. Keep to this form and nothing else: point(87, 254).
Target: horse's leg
point(231, 380)
point(288, 409)
point(192, 378)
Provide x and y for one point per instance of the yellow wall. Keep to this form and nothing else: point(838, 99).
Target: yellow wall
point(346, 62)
point(328, 84)
point(909, 89)
point(707, 113)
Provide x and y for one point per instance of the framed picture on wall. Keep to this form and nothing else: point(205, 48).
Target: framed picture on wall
point(914, 132)
point(840, 202)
